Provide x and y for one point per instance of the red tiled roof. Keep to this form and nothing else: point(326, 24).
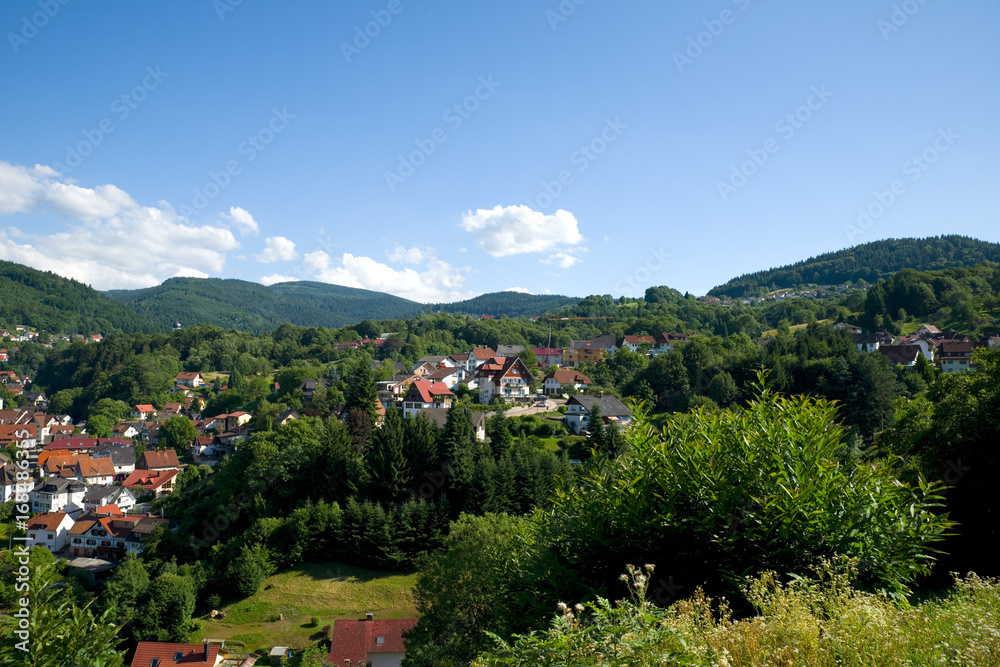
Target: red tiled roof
point(483, 353)
point(566, 376)
point(188, 376)
point(95, 467)
point(47, 521)
point(157, 459)
point(191, 654)
point(638, 340)
point(150, 479)
point(354, 640)
point(145, 408)
point(428, 391)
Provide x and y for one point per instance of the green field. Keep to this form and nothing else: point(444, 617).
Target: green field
point(327, 591)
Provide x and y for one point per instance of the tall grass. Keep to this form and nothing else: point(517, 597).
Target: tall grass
point(823, 621)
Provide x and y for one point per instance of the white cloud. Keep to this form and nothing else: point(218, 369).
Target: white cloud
point(518, 289)
point(277, 249)
point(121, 245)
point(243, 220)
point(414, 255)
point(563, 258)
point(517, 230)
point(276, 278)
point(433, 282)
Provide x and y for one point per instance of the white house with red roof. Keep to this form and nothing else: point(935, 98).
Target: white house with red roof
point(633, 342)
point(424, 394)
point(159, 482)
point(143, 412)
point(548, 356)
point(479, 356)
point(49, 530)
point(375, 642)
point(556, 380)
point(190, 379)
point(505, 377)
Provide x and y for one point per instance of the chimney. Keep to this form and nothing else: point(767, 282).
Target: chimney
point(206, 651)
point(369, 616)
point(600, 394)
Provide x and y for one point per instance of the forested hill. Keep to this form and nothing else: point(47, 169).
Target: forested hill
point(42, 300)
point(248, 306)
point(869, 262)
point(511, 304)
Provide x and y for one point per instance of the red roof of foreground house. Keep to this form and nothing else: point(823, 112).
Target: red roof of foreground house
point(47, 521)
point(189, 654)
point(150, 479)
point(483, 353)
point(428, 390)
point(166, 458)
point(355, 640)
point(567, 376)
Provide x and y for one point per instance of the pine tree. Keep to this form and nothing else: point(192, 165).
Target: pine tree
point(421, 440)
point(457, 443)
point(388, 465)
point(595, 429)
point(616, 443)
point(498, 433)
point(361, 390)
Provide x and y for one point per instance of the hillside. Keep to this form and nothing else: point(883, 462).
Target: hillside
point(870, 262)
point(43, 300)
point(511, 304)
point(248, 306)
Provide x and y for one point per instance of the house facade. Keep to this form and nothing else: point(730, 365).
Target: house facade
point(374, 642)
point(424, 394)
point(56, 494)
point(506, 378)
point(49, 530)
point(557, 380)
point(578, 409)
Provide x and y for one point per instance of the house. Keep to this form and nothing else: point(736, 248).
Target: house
point(36, 399)
point(391, 391)
point(928, 331)
point(49, 530)
point(233, 421)
point(993, 342)
point(287, 416)
point(8, 481)
point(158, 482)
point(451, 377)
point(509, 350)
point(122, 458)
point(439, 361)
point(172, 409)
point(424, 394)
point(159, 460)
point(632, 343)
point(582, 351)
point(927, 348)
point(160, 654)
point(478, 356)
point(666, 342)
point(556, 380)
point(548, 356)
point(192, 380)
point(850, 328)
point(901, 355)
point(143, 412)
point(92, 536)
point(100, 496)
point(423, 369)
point(4, 355)
point(440, 417)
point(56, 494)
point(956, 357)
point(24, 435)
point(867, 342)
point(375, 642)
point(507, 378)
point(94, 472)
point(309, 388)
point(124, 430)
point(578, 410)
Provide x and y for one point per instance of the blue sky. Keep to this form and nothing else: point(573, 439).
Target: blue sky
point(461, 148)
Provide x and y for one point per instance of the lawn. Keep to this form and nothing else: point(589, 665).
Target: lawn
point(795, 327)
point(327, 591)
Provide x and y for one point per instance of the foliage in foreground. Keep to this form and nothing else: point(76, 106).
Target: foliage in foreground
point(819, 622)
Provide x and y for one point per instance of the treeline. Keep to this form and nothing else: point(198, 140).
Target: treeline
point(56, 305)
point(869, 262)
point(511, 304)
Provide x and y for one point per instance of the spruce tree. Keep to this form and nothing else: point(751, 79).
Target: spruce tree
point(595, 428)
point(361, 390)
point(498, 433)
point(388, 465)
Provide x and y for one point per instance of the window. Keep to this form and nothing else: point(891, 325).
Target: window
point(379, 641)
point(178, 656)
point(155, 663)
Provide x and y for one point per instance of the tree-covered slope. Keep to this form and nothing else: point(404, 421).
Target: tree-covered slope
point(43, 300)
point(239, 304)
point(511, 304)
point(870, 262)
